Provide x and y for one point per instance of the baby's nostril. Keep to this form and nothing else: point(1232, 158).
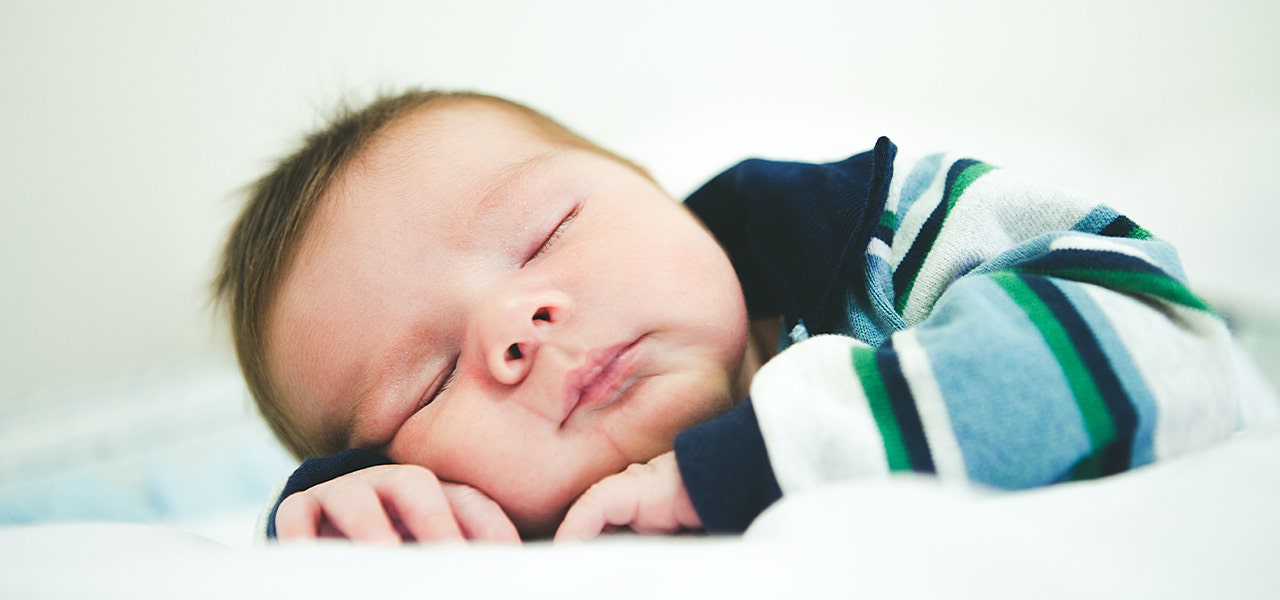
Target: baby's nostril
point(542, 315)
point(513, 352)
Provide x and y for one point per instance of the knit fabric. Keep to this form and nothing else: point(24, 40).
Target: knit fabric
point(955, 319)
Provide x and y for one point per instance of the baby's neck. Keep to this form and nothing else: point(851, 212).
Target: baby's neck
point(762, 345)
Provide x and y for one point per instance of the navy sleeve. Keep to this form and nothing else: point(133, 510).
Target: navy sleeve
point(726, 470)
point(315, 471)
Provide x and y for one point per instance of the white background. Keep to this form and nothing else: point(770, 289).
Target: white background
point(128, 128)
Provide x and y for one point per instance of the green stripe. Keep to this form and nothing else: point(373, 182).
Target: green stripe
point(889, 219)
point(1150, 284)
point(1097, 419)
point(966, 178)
point(1089, 467)
point(895, 451)
point(1138, 233)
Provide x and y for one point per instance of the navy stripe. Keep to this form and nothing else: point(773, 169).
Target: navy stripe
point(1093, 260)
point(914, 259)
point(884, 234)
point(1120, 227)
point(1116, 455)
point(904, 409)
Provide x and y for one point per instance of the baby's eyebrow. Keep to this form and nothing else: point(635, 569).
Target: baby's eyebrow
point(505, 178)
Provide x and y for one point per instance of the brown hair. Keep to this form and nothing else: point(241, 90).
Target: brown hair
point(262, 241)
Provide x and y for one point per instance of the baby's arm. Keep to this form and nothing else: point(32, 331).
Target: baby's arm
point(980, 392)
point(1017, 335)
point(359, 499)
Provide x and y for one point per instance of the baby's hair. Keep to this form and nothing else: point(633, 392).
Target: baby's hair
point(263, 240)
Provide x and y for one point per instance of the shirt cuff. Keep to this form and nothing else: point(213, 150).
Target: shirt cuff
point(726, 470)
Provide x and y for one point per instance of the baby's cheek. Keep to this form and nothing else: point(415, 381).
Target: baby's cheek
point(688, 400)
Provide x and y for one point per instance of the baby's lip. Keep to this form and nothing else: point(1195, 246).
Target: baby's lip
point(601, 378)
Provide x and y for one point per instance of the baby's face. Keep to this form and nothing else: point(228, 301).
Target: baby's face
point(512, 314)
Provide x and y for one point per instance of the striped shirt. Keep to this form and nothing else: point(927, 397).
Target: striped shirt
point(947, 317)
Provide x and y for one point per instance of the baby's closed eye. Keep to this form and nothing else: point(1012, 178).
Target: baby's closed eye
point(554, 234)
point(434, 392)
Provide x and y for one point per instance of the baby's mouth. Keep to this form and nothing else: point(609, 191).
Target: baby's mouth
point(602, 379)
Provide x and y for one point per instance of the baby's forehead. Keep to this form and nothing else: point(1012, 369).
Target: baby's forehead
point(456, 121)
point(476, 136)
point(459, 145)
point(450, 155)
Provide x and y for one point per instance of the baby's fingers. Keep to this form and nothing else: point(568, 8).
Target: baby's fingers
point(382, 504)
point(480, 518)
point(415, 497)
point(648, 498)
point(354, 509)
point(299, 517)
point(612, 501)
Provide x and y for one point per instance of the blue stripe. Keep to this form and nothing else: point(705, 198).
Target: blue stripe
point(1012, 411)
point(1134, 384)
point(1115, 455)
point(921, 177)
point(1096, 220)
point(876, 319)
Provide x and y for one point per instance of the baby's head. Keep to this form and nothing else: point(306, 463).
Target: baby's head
point(459, 282)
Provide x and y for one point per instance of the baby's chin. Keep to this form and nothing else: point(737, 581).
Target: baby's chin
point(539, 519)
point(538, 511)
point(539, 529)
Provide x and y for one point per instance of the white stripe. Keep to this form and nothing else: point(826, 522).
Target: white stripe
point(998, 211)
point(914, 361)
point(1183, 355)
point(814, 416)
point(877, 247)
point(902, 166)
point(896, 181)
point(1081, 241)
point(909, 224)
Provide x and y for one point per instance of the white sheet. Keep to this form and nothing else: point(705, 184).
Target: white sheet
point(1201, 526)
point(177, 442)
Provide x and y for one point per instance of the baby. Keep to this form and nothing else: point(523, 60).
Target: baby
point(491, 328)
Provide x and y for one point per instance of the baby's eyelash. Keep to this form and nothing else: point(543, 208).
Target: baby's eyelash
point(555, 233)
point(429, 398)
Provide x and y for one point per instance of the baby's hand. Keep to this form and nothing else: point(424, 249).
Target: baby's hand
point(388, 504)
point(648, 498)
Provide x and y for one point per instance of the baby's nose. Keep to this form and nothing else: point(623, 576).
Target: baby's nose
point(516, 331)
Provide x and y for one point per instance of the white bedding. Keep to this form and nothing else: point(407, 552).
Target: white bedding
point(1202, 526)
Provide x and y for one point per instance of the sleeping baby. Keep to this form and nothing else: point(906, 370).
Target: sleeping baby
point(475, 324)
